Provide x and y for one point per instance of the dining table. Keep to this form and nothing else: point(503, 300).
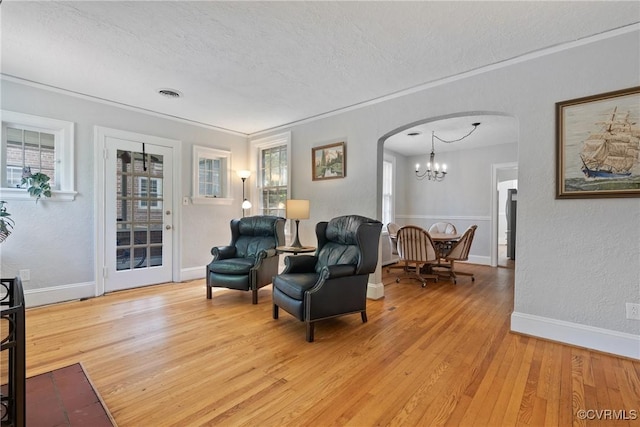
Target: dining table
point(443, 242)
point(445, 237)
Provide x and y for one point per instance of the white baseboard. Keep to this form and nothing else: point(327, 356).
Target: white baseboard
point(76, 291)
point(482, 260)
point(192, 273)
point(375, 290)
point(605, 340)
point(55, 294)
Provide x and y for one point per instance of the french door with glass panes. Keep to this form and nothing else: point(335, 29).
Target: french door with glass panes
point(138, 214)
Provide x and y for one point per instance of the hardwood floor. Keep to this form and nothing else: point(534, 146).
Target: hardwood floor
point(440, 355)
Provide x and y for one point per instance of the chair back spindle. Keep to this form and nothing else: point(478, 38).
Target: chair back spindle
point(415, 245)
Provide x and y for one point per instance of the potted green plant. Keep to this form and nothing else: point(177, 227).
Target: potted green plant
point(37, 183)
point(6, 223)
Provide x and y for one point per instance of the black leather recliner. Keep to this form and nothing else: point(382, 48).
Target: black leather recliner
point(250, 261)
point(333, 282)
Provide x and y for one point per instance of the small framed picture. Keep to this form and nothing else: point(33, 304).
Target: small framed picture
point(597, 144)
point(329, 161)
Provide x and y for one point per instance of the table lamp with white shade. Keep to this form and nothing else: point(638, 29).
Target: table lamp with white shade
point(297, 210)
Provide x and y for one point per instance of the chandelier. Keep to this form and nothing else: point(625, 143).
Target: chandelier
point(433, 171)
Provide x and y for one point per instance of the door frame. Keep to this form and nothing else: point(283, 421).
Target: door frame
point(495, 212)
point(100, 137)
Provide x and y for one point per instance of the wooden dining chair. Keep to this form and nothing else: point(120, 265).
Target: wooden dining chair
point(417, 252)
point(459, 252)
point(392, 230)
point(443, 228)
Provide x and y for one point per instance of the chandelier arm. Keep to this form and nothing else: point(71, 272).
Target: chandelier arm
point(436, 174)
point(430, 174)
point(475, 126)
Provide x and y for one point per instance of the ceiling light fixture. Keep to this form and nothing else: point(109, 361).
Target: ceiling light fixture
point(170, 93)
point(436, 174)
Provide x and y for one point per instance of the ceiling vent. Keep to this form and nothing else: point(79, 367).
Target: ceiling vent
point(170, 93)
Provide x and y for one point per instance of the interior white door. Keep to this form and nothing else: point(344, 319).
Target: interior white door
point(138, 214)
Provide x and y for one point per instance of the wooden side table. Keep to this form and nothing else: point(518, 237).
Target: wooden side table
point(295, 250)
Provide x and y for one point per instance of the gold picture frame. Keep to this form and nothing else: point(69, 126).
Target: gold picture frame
point(597, 146)
point(329, 161)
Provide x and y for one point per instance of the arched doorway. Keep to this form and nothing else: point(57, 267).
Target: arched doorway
point(465, 196)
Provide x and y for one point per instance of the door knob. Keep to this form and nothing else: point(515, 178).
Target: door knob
point(168, 227)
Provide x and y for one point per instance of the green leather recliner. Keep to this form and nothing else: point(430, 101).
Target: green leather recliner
point(333, 282)
point(250, 261)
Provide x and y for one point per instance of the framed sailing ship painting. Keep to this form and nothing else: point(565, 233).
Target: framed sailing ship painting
point(598, 143)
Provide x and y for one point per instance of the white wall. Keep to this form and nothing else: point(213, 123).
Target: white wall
point(55, 239)
point(577, 259)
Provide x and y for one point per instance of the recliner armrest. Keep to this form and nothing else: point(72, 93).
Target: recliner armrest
point(262, 255)
point(336, 271)
point(223, 252)
point(300, 264)
point(266, 253)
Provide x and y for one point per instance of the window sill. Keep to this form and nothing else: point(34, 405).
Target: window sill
point(21, 194)
point(211, 201)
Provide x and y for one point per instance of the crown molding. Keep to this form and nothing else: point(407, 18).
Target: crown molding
point(428, 85)
point(464, 75)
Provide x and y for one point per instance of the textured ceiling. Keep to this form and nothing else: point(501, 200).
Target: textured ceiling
point(252, 66)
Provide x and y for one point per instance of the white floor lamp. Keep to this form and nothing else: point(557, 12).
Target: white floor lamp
point(244, 174)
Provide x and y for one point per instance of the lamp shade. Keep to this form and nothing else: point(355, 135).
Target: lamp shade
point(297, 209)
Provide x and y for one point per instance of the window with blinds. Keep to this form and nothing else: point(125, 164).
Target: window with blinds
point(274, 180)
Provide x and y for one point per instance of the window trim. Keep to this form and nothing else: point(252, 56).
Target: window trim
point(200, 152)
point(392, 205)
point(64, 153)
point(257, 146)
point(145, 195)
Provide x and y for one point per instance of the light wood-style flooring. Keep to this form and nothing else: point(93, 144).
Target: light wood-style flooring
point(441, 355)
